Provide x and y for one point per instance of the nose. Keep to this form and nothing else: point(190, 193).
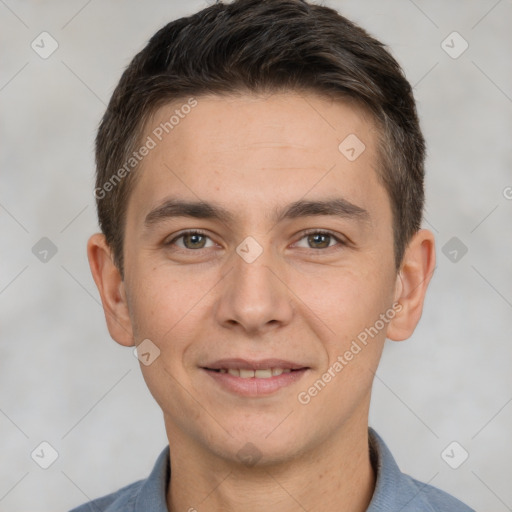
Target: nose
point(255, 297)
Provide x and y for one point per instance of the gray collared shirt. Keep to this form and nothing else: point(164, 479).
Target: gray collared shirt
point(394, 490)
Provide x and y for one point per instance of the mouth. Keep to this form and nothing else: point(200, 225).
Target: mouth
point(255, 378)
point(245, 373)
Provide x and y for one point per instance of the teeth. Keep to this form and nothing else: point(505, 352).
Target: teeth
point(262, 374)
point(258, 374)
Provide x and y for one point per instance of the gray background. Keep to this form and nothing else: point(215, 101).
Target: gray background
point(64, 381)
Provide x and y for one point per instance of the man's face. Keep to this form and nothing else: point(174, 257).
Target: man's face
point(265, 287)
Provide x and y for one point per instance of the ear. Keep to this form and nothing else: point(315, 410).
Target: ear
point(111, 287)
point(412, 281)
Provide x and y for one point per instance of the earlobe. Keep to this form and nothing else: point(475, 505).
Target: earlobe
point(111, 288)
point(411, 284)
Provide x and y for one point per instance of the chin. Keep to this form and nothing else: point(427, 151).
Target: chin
point(260, 445)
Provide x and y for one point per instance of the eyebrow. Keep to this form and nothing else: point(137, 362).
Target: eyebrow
point(174, 207)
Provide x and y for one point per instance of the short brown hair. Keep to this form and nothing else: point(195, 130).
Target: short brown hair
point(263, 46)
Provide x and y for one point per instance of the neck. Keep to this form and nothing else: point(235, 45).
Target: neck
point(331, 476)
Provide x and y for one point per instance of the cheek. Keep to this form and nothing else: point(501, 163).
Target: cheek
point(346, 301)
point(157, 303)
point(350, 305)
point(169, 306)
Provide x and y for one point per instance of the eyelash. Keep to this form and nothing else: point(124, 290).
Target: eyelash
point(304, 234)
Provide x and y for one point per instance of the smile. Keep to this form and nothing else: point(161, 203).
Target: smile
point(266, 373)
point(254, 378)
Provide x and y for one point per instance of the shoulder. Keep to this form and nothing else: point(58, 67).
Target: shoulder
point(120, 500)
point(148, 494)
point(395, 490)
point(436, 499)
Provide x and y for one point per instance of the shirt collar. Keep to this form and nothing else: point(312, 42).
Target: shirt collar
point(393, 490)
point(152, 496)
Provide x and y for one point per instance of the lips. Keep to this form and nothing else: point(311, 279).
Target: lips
point(252, 368)
point(255, 378)
point(244, 373)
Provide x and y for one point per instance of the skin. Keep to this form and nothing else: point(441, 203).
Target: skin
point(303, 299)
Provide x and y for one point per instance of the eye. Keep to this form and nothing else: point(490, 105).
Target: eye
point(316, 239)
point(320, 239)
point(192, 239)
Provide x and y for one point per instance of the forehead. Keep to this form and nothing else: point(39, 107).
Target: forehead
point(248, 148)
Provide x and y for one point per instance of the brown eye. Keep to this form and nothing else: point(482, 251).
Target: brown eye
point(191, 240)
point(320, 240)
